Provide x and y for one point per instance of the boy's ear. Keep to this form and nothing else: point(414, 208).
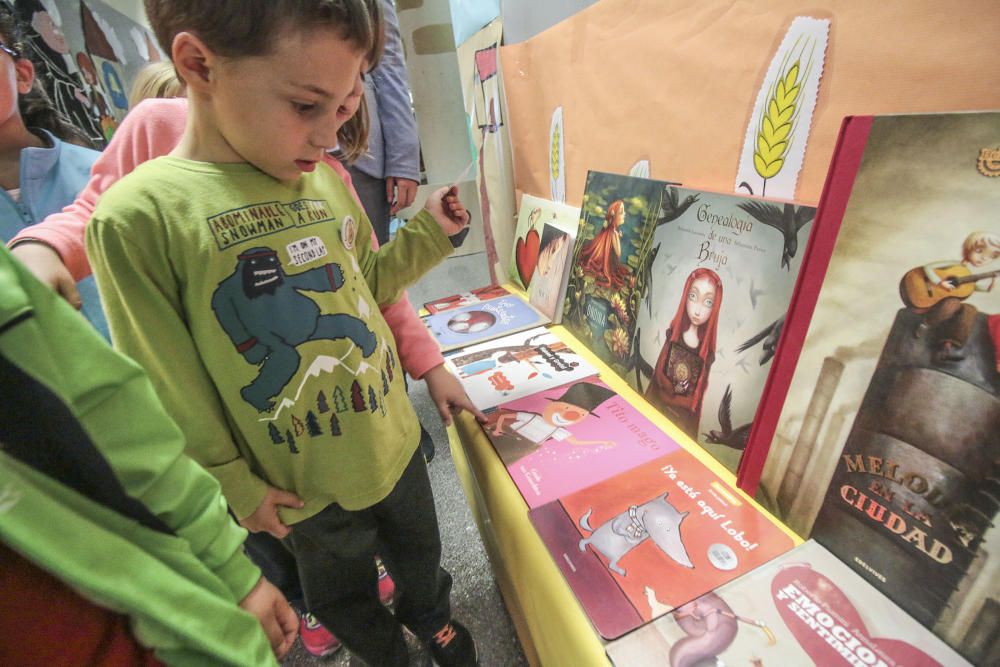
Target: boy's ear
point(193, 60)
point(25, 70)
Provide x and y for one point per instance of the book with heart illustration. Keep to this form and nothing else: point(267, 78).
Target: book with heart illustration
point(653, 538)
point(515, 366)
point(543, 240)
point(805, 607)
point(482, 321)
point(565, 438)
point(477, 295)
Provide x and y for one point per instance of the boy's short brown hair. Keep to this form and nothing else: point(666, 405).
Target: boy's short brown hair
point(238, 28)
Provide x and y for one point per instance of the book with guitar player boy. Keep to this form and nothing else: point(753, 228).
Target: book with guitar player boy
point(886, 386)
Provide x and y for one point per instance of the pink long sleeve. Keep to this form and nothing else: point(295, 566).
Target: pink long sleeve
point(150, 130)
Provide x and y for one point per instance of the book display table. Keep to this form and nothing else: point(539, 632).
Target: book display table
point(550, 622)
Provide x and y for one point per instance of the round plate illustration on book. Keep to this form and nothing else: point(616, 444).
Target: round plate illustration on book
point(473, 321)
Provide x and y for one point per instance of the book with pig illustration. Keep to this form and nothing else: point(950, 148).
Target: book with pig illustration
point(805, 607)
point(563, 439)
point(651, 539)
point(478, 322)
point(515, 366)
point(477, 295)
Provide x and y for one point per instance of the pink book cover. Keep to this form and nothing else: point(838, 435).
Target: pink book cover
point(803, 608)
point(644, 542)
point(564, 439)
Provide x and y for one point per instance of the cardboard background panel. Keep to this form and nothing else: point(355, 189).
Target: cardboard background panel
point(675, 81)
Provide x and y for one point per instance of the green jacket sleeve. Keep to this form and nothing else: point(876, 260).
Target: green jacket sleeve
point(418, 246)
point(115, 403)
point(144, 309)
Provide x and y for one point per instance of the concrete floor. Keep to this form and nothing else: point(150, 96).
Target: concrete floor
point(475, 597)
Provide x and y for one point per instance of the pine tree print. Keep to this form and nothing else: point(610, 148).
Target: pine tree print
point(297, 424)
point(372, 400)
point(275, 434)
point(321, 403)
point(334, 424)
point(339, 402)
point(291, 442)
point(312, 425)
point(385, 384)
point(388, 369)
point(357, 400)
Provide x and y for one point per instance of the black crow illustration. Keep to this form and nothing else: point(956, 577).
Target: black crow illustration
point(647, 274)
point(770, 335)
point(754, 293)
point(728, 437)
point(671, 209)
point(788, 221)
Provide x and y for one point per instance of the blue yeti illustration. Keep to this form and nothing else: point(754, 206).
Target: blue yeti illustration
point(266, 317)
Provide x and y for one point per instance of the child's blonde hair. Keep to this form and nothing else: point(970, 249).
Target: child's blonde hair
point(157, 79)
point(980, 241)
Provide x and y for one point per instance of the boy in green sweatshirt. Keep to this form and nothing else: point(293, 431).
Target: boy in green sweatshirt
point(238, 270)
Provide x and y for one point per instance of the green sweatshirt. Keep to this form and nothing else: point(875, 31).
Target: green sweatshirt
point(179, 590)
point(254, 305)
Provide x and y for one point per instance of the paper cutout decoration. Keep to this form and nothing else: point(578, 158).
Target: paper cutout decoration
point(557, 158)
point(640, 169)
point(469, 16)
point(776, 136)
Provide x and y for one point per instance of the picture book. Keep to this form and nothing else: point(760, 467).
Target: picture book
point(617, 220)
point(454, 301)
point(804, 607)
point(529, 236)
point(721, 270)
point(653, 538)
point(515, 366)
point(886, 389)
point(482, 321)
point(547, 289)
point(561, 440)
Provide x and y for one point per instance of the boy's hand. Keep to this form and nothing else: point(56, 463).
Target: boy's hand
point(448, 395)
point(275, 615)
point(43, 261)
point(265, 518)
point(448, 210)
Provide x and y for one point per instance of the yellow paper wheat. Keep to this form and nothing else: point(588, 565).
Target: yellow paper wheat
point(554, 163)
point(776, 124)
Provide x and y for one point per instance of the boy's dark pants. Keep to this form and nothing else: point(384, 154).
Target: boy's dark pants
point(335, 551)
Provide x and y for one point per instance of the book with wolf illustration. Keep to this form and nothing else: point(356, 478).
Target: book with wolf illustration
point(515, 366)
point(805, 607)
point(563, 439)
point(886, 391)
point(486, 320)
point(721, 270)
point(454, 301)
point(655, 537)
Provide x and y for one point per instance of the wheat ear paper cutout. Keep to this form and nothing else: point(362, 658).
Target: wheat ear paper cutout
point(557, 158)
point(775, 143)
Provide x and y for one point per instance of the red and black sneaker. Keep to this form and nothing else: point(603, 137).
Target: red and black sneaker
point(316, 639)
point(452, 646)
